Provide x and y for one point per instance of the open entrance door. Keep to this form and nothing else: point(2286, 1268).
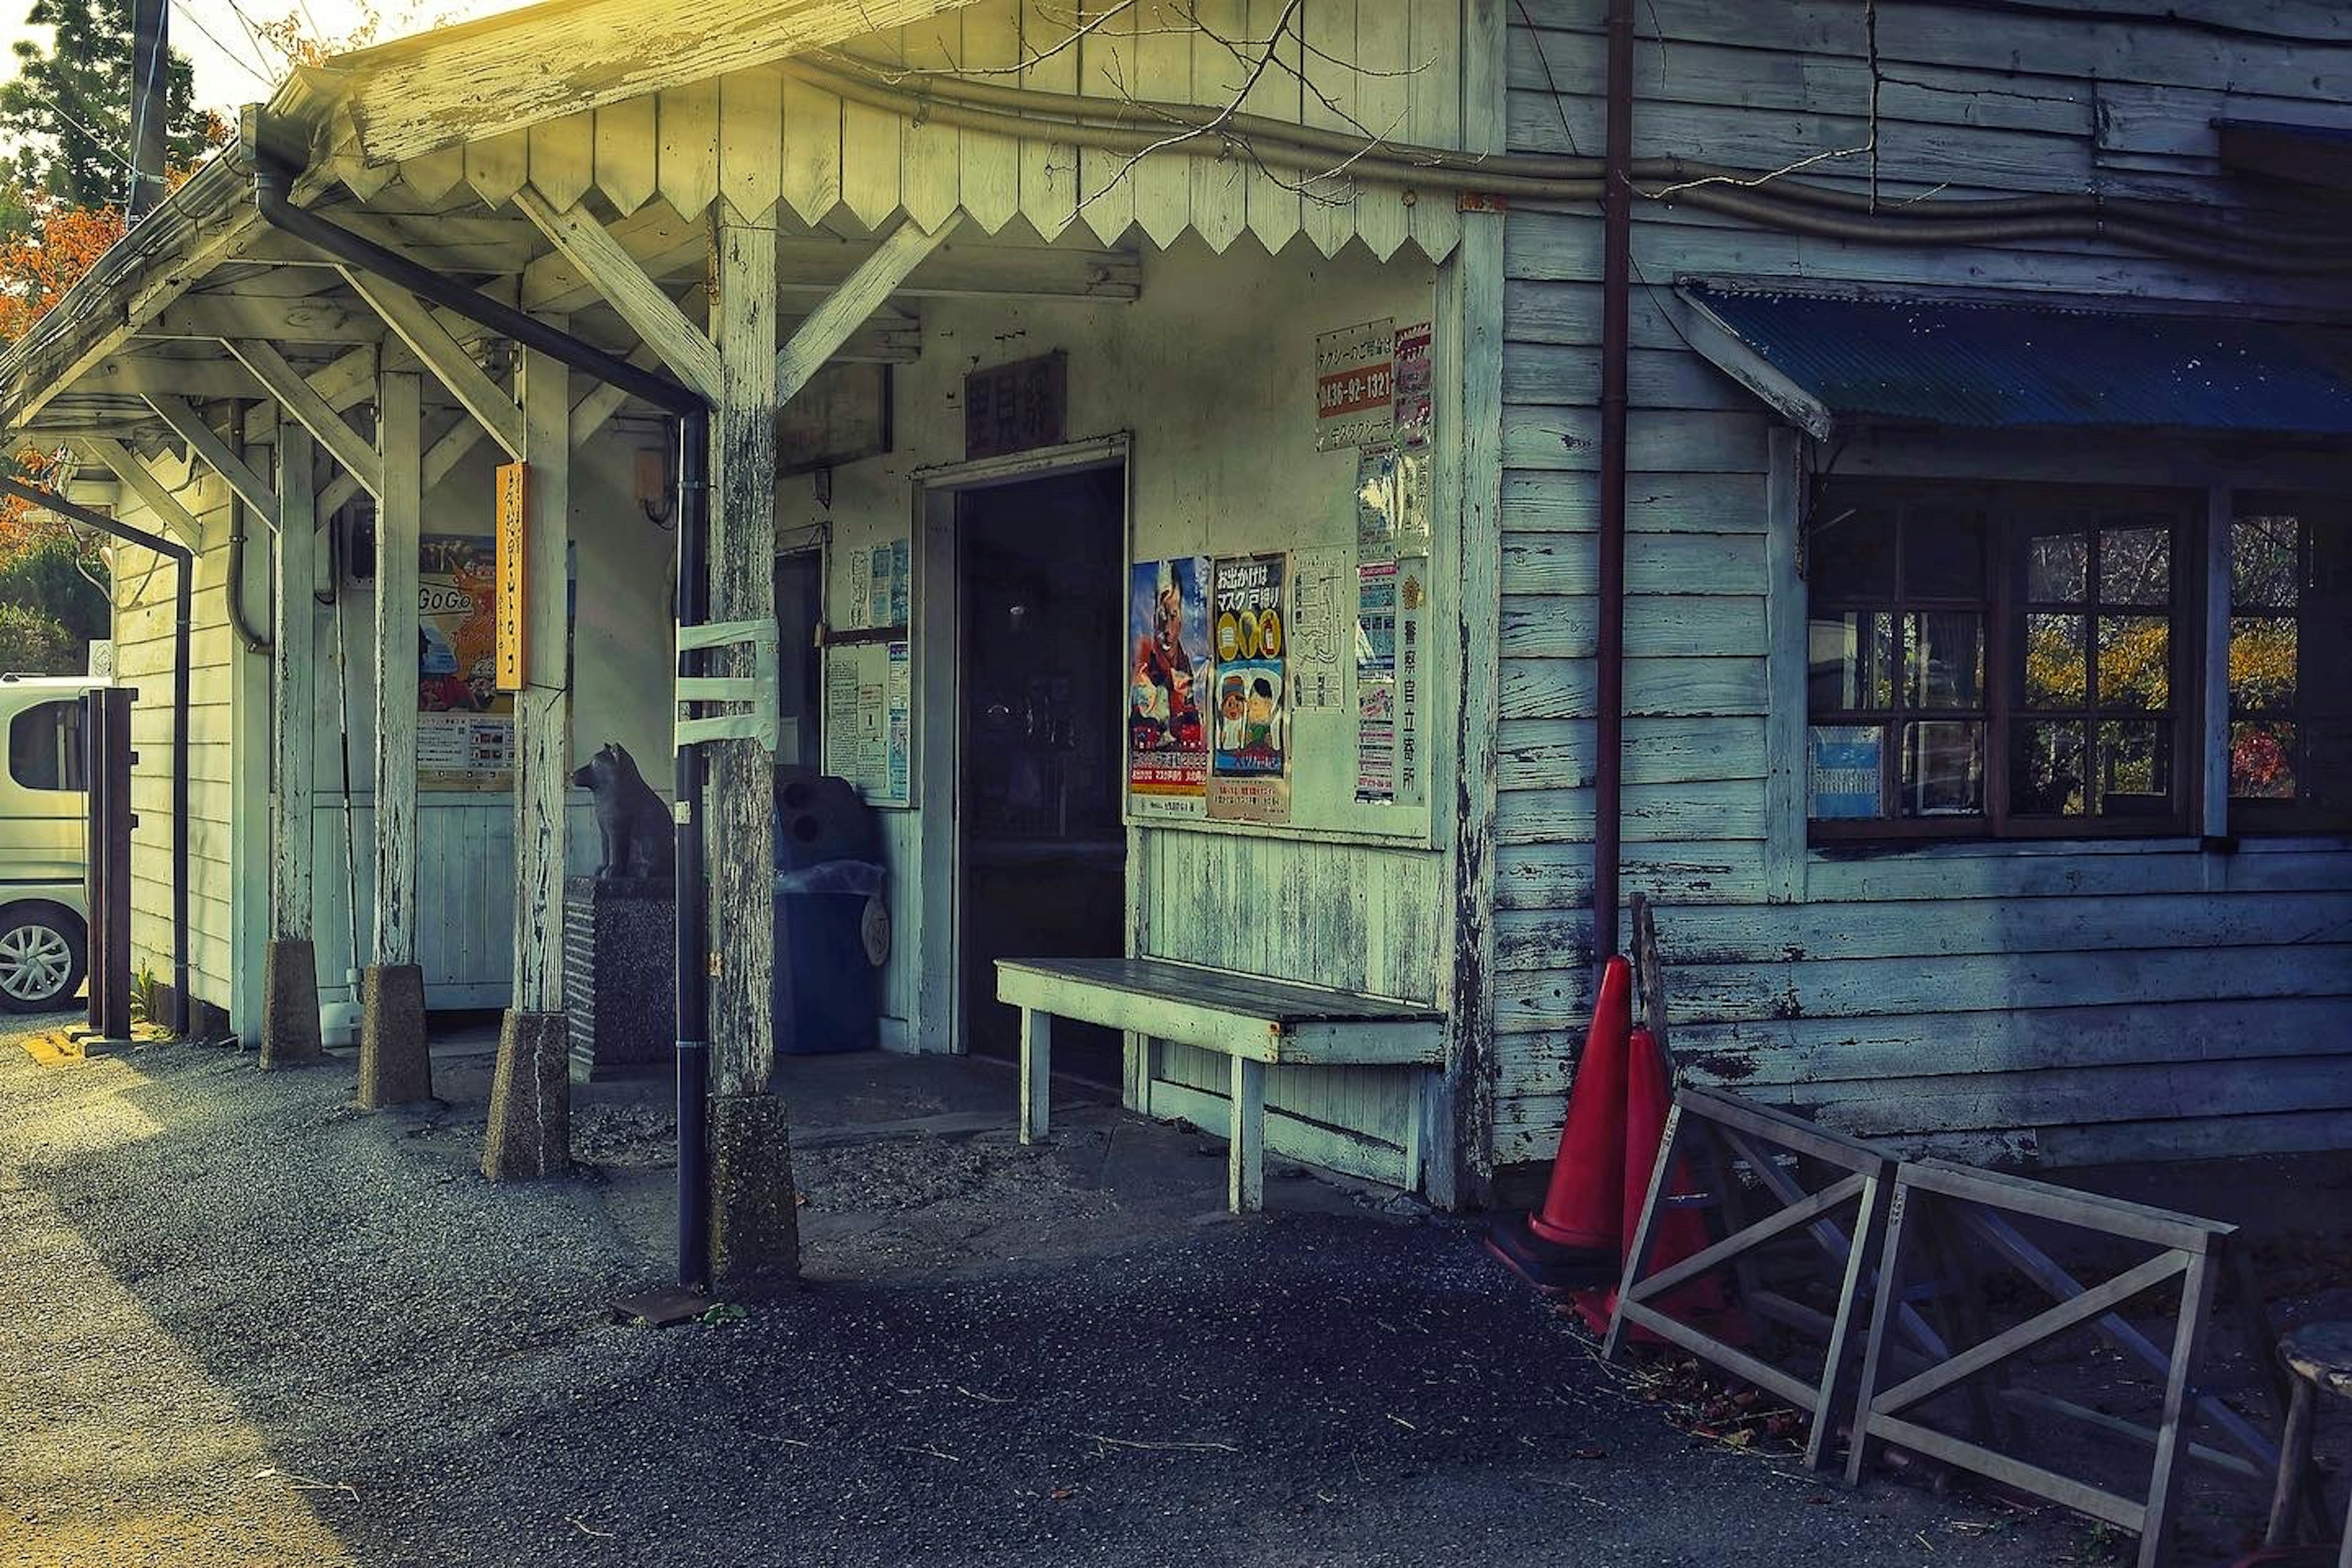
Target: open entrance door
point(1041, 869)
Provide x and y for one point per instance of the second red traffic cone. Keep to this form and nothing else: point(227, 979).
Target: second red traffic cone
point(1578, 1237)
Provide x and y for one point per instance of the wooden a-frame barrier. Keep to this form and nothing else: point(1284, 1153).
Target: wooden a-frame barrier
point(1874, 1222)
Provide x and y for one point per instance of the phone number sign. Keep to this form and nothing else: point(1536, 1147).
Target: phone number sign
point(1354, 390)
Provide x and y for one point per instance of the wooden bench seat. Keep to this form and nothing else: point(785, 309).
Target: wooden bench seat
point(1257, 1023)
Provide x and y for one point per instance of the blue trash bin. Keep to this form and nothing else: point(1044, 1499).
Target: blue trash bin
point(826, 991)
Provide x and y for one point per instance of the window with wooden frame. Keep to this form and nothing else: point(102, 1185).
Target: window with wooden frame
point(2007, 661)
point(2290, 664)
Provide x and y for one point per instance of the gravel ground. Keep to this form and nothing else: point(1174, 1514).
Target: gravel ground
point(241, 1323)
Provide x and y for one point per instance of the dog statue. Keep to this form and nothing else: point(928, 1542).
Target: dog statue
point(630, 817)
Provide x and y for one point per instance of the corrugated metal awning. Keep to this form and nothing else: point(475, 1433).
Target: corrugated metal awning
point(1822, 360)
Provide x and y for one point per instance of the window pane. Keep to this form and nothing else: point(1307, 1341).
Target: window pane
point(1943, 553)
point(45, 746)
point(2045, 770)
point(2262, 561)
point(2136, 566)
point(1843, 774)
point(1851, 662)
point(1853, 554)
point(1943, 659)
point(1943, 769)
point(2135, 767)
point(2054, 661)
point(2261, 663)
point(2135, 661)
point(2057, 568)
point(2262, 761)
point(2327, 748)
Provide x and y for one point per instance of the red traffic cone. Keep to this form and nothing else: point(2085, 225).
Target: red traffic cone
point(1578, 1236)
point(1679, 1232)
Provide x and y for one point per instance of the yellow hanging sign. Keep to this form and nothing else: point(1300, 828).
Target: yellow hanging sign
point(513, 486)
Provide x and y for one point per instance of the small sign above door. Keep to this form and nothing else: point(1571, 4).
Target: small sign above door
point(1016, 408)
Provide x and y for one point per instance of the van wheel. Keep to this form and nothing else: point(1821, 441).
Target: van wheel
point(41, 959)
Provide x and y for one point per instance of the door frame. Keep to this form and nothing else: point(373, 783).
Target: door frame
point(939, 708)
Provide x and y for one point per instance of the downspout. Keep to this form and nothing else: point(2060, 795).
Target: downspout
point(254, 641)
point(182, 608)
point(274, 170)
point(1609, 648)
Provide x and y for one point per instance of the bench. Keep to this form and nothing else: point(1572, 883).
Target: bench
point(1257, 1023)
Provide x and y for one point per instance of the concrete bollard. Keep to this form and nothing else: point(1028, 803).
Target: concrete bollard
point(394, 1067)
point(754, 1211)
point(289, 1008)
point(530, 1133)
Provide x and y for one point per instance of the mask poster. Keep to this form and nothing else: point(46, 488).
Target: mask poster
point(465, 724)
point(1249, 756)
point(1168, 672)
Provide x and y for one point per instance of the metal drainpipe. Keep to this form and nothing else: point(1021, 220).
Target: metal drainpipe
point(183, 607)
point(253, 640)
point(1609, 650)
point(273, 177)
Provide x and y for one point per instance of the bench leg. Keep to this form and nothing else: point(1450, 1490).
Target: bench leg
point(1245, 1156)
point(2295, 1454)
point(1036, 1074)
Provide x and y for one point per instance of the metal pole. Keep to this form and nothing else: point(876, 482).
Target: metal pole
point(1608, 651)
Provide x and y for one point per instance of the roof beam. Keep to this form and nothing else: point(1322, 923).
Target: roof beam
point(305, 320)
point(500, 74)
point(160, 501)
point(303, 404)
point(416, 325)
point(642, 302)
point(206, 443)
point(982, 269)
point(845, 310)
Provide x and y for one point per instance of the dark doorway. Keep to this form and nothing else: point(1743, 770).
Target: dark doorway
point(1043, 870)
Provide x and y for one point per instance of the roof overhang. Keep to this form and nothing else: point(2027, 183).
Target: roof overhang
point(1830, 361)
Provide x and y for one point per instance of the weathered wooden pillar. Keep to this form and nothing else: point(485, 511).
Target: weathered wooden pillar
point(394, 1067)
point(289, 1018)
point(754, 1229)
point(530, 1092)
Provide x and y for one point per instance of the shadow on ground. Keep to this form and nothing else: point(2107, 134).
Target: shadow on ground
point(1060, 1355)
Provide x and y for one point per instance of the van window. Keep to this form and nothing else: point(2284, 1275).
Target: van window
point(45, 746)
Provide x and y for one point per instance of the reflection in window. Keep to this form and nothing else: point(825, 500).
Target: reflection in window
point(2290, 663)
point(45, 746)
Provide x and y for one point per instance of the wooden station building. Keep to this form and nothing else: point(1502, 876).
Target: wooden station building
point(1970, 643)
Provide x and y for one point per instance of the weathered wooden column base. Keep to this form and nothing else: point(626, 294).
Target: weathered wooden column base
point(530, 1099)
point(755, 1213)
point(394, 1067)
point(289, 1005)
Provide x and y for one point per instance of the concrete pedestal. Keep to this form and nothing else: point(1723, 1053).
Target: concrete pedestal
point(394, 1067)
point(289, 1005)
point(754, 1220)
point(620, 976)
point(530, 1133)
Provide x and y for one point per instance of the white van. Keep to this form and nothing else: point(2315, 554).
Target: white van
point(44, 829)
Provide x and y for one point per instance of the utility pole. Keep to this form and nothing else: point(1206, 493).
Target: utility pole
point(151, 55)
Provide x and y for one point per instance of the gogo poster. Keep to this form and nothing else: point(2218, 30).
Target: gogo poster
point(1249, 753)
point(1166, 678)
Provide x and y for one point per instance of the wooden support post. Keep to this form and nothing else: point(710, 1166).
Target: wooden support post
point(755, 1236)
point(741, 790)
point(529, 1131)
point(289, 1023)
point(1036, 1074)
point(542, 738)
point(394, 1066)
point(1245, 1155)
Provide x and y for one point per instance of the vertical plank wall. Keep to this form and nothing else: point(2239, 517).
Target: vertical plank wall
point(143, 588)
point(2050, 1002)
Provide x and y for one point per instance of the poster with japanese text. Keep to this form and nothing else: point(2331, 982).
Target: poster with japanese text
point(465, 724)
point(1354, 397)
point(1168, 669)
point(1249, 758)
point(1392, 598)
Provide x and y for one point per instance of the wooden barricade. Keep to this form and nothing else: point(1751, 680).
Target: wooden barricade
point(1968, 1213)
point(1715, 1131)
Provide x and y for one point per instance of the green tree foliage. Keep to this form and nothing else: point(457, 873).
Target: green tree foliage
point(49, 577)
point(66, 116)
point(32, 643)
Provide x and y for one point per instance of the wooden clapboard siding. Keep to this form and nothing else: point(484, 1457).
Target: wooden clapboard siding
point(1359, 918)
point(144, 587)
point(2027, 1001)
point(763, 136)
